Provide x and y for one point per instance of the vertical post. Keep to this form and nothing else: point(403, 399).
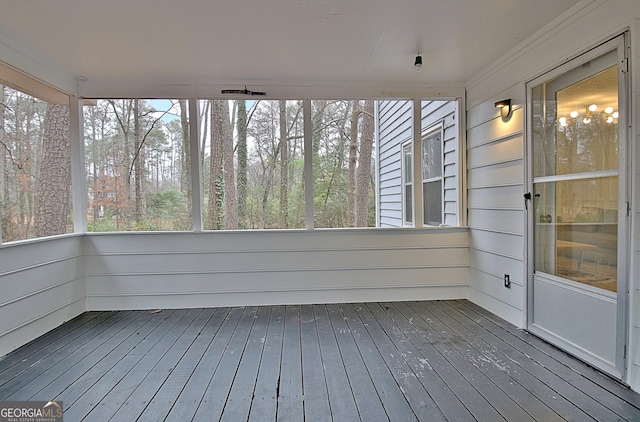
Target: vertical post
point(376, 161)
point(462, 159)
point(418, 212)
point(196, 174)
point(308, 164)
point(78, 176)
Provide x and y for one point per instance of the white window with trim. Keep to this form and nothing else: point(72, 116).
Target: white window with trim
point(419, 149)
point(432, 170)
point(407, 183)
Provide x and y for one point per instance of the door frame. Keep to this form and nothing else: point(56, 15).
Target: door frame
point(621, 44)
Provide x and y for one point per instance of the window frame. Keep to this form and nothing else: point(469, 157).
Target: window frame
point(437, 128)
point(404, 171)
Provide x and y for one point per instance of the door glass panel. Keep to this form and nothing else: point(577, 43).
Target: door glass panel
point(575, 120)
point(575, 166)
point(577, 230)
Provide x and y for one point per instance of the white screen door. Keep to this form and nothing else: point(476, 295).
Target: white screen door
point(577, 211)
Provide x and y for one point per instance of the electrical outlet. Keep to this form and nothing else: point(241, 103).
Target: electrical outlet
point(507, 281)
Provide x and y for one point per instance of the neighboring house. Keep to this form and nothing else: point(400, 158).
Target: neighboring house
point(417, 175)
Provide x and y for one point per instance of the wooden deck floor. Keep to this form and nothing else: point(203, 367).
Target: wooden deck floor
point(431, 361)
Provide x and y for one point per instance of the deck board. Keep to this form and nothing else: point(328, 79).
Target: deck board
point(95, 390)
point(590, 373)
point(393, 399)
point(395, 356)
point(590, 397)
point(439, 377)
point(193, 391)
point(219, 388)
point(265, 396)
point(363, 389)
point(440, 360)
point(339, 388)
point(290, 395)
point(314, 384)
point(238, 404)
point(138, 365)
point(496, 368)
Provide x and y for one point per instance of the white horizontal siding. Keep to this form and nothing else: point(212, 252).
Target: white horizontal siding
point(496, 170)
point(634, 301)
point(497, 197)
point(499, 243)
point(42, 284)
point(495, 184)
point(501, 174)
point(130, 271)
point(395, 129)
point(502, 221)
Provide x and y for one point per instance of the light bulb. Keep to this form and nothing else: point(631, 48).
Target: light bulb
point(615, 115)
point(418, 63)
point(608, 110)
point(593, 107)
point(586, 120)
point(563, 121)
point(573, 114)
point(609, 119)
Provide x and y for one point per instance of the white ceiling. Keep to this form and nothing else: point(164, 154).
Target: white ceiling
point(196, 42)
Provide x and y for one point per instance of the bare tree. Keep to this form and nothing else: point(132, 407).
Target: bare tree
point(53, 189)
point(4, 189)
point(139, 162)
point(123, 118)
point(364, 165)
point(284, 166)
point(215, 174)
point(185, 175)
point(241, 177)
point(353, 160)
point(231, 212)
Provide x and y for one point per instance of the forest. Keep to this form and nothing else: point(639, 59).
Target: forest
point(138, 164)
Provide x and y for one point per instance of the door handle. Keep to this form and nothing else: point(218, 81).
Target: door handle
point(527, 197)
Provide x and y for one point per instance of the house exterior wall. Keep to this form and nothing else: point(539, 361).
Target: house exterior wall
point(446, 113)
point(395, 128)
point(496, 165)
point(42, 287)
point(495, 184)
point(634, 301)
point(208, 269)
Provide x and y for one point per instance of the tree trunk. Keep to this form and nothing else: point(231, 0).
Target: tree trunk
point(215, 174)
point(25, 186)
point(4, 193)
point(94, 165)
point(139, 164)
point(241, 123)
point(231, 211)
point(185, 174)
point(122, 168)
point(54, 178)
point(205, 117)
point(284, 167)
point(364, 167)
point(353, 160)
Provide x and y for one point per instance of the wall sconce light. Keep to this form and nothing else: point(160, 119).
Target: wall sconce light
point(418, 63)
point(505, 108)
